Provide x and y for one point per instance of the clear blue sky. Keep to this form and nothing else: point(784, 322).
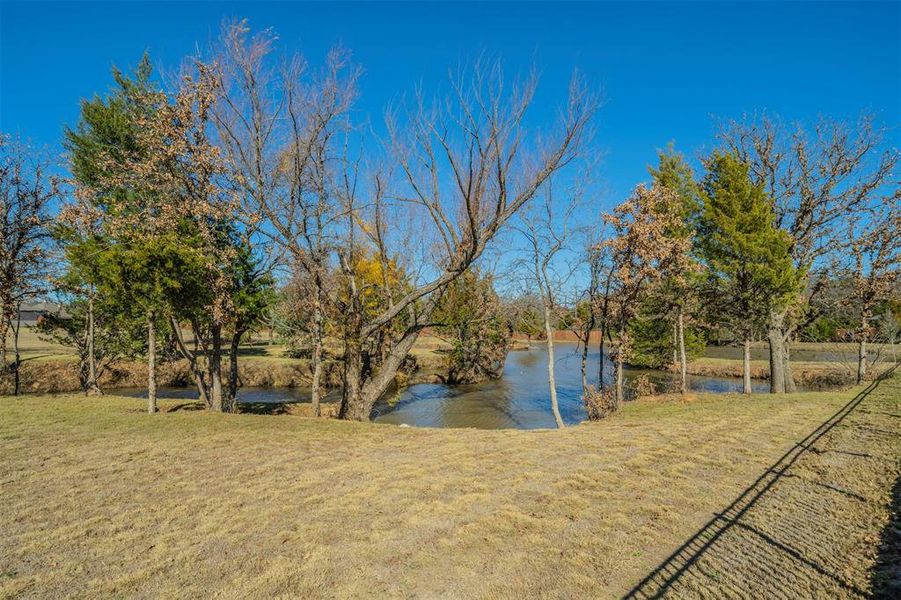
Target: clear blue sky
point(667, 69)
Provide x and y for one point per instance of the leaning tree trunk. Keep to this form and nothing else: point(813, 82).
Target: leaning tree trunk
point(215, 369)
point(384, 376)
point(361, 394)
point(746, 366)
point(92, 388)
point(776, 339)
point(862, 349)
point(191, 357)
point(151, 363)
point(683, 365)
point(552, 384)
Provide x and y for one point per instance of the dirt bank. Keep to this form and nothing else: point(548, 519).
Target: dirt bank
point(56, 376)
point(818, 375)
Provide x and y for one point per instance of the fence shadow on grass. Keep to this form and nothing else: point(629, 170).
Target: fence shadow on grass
point(886, 576)
point(670, 571)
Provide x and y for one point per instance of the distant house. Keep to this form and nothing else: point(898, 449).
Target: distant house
point(30, 312)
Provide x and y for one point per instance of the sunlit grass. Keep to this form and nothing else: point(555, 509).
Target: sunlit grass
point(100, 499)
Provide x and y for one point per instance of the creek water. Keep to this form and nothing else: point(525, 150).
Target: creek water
point(519, 399)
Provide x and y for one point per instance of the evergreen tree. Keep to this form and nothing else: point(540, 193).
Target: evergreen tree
point(117, 247)
point(472, 318)
point(750, 265)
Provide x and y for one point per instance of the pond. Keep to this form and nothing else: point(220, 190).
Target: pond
point(519, 399)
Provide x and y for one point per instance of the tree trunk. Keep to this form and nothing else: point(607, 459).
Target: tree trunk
point(776, 338)
point(232, 396)
point(315, 393)
point(151, 363)
point(91, 386)
point(862, 349)
point(196, 371)
point(746, 366)
point(18, 358)
point(361, 389)
point(4, 332)
point(552, 384)
point(584, 359)
point(601, 356)
point(352, 407)
point(619, 391)
point(215, 369)
point(676, 342)
point(790, 387)
point(683, 364)
point(383, 377)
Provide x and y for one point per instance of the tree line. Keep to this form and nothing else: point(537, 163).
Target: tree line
point(187, 201)
point(249, 191)
point(785, 232)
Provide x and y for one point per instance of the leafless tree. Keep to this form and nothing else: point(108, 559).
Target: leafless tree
point(465, 167)
point(468, 164)
point(27, 188)
point(282, 129)
point(548, 228)
point(588, 305)
point(816, 180)
point(875, 268)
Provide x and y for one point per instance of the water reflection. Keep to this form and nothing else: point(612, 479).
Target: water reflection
point(520, 398)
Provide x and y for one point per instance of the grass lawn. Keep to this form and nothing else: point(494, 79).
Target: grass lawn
point(101, 500)
point(33, 348)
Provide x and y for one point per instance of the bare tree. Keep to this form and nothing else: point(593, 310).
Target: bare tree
point(465, 164)
point(816, 181)
point(547, 229)
point(26, 191)
point(875, 256)
point(281, 130)
point(588, 306)
point(463, 171)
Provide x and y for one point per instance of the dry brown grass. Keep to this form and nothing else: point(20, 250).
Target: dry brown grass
point(100, 500)
point(807, 373)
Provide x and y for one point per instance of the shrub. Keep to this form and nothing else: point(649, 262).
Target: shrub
point(599, 403)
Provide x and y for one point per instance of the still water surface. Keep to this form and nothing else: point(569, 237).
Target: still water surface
point(519, 399)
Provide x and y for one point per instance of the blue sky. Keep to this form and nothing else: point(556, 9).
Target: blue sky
point(666, 69)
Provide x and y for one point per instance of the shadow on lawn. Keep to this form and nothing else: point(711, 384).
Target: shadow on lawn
point(255, 408)
point(660, 581)
point(886, 578)
point(190, 405)
point(264, 408)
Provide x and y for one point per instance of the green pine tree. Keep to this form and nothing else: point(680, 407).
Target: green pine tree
point(748, 257)
point(136, 276)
